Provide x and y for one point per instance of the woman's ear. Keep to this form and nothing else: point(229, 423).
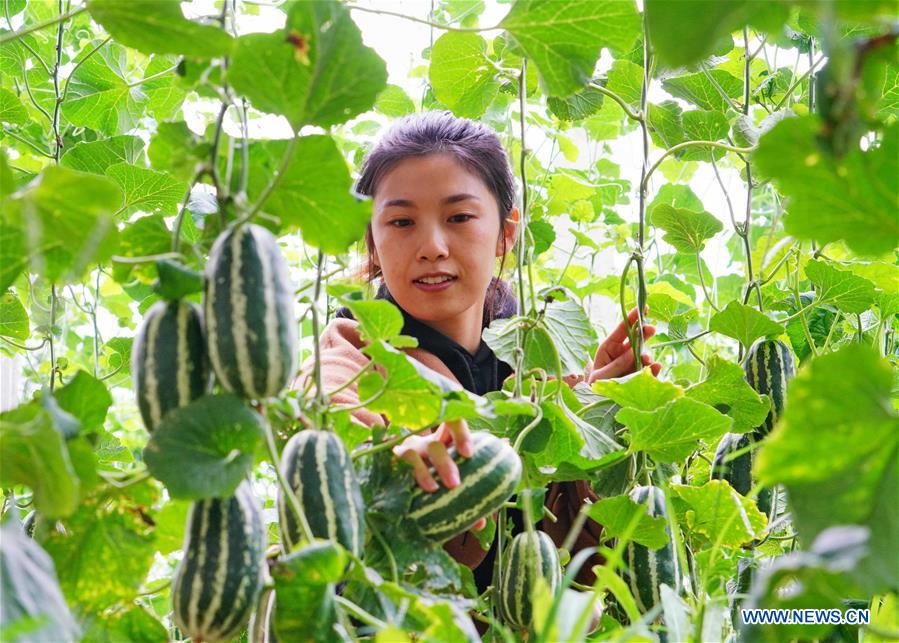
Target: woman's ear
point(509, 233)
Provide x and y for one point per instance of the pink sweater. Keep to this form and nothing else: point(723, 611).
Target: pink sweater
point(341, 359)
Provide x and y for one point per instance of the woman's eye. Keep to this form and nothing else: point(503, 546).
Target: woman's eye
point(400, 223)
point(466, 217)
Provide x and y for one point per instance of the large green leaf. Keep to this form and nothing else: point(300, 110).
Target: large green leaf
point(563, 37)
point(33, 453)
point(852, 198)
point(572, 334)
point(643, 391)
point(462, 77)
point(672, 432)
point(205, 449)
point(686, 230)
point(314, 193)
point(66, 221)
point(705, 92)
point(378, 318)
point(96, 156)
point(394, 102)
point(114, 528)
point(845, 290)
point(615, 515)
point(304, 592)
point(86, 398)
point(175, 149)
point(626, 79)
point(726, 389)
point(664, 123)
point(836, 450)
point(158, 26)
point(134, 624)
point(13, 317)
point(743, 323)
point(315, 71)
point(12, 111)
point(719, 513)
point(146, 190)
point(701, 125)
point(101, 96)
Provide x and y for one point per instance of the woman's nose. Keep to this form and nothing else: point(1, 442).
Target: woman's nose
point(433, 246)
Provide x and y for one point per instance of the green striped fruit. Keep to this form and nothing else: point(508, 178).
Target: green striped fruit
point(169, 366)
point(769, 366)
point(318, 468)
point(216, 586)
point(250, 322)
point(530, 556)
point(738, 471)
point(488, 478)
point(649, 568)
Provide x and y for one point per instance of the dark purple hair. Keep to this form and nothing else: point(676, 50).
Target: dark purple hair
point(478, 149)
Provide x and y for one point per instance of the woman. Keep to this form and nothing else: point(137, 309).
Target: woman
point(443, 211)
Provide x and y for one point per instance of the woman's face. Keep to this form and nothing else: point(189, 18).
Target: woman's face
point(435, 220)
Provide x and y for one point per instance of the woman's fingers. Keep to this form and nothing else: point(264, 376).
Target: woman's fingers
point(420, 471)
point(623, 365)
point(458, 429)
point(443, 463)
point(479, 525)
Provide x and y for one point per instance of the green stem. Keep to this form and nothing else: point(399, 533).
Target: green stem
point(158, 74)
point(797, 83)
point(634, 116)
point(359, 613)
point(146, 258)
point(836, 320)
point(50, 337)
point(286, 489)
point(65, 91)
point(34, 100)
point(523, 218)
point(9, 37)
point(179, 220)
point(22, 346)
point(25, 44)
point(387, 444)
point(705, 292)
point(275, 182)
point(394, 572)
point(320, 399)
point(685, 340)
point(350, 381)
point(33, 146)
point(527, 429)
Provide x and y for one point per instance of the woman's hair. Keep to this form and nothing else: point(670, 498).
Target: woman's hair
point(478, 149)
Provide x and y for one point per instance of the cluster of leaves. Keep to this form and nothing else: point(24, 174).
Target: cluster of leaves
point(105, 175)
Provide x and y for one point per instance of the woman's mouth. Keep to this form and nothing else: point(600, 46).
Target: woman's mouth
point(433, 284)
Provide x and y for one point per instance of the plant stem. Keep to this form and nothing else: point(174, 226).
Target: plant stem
point(636, 335)
point(634, 116)
point(22, 346)
point(9, 37)
point(350, 381)
point(158, 74)
point(422, 21)
point(798, 82)
point(705, 292)
point(387, 444)
point(320, 398)
point(286, 489)
point(685, 340)
point(65, 91)
point(359, 613)
point(523, 220)
point(146, 258)
point(33, 146)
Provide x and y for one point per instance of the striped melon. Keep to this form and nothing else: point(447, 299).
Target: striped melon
point(769, 365)
point(250, 322)
point(317, 467)
point(216, 586)
point(738, 471)
point(649, 568)
point(488, 478)
point(530, 556)
point(169, 366)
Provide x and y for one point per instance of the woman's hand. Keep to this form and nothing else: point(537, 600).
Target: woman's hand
point(615, 358)
point(420, 451)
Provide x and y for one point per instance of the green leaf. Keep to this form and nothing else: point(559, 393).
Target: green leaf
point(144, 237)
point(315, 71)
point(615, 515)
point(12, 111)
point(677, 196)
point(206, 448)
point(86, 398)
point(664, 300)
point(725, 389)
point(685, 32)
point(686, 230)
point(133, 624)
point(743, 323)
point(394, 102)
point(836, 451)
point(69, 222)
point(154, 26)
point(701, 125)
point(461, 76)
point(626, 79)
point(33, 453)
point(540, 351)
point(13, 317)
point(314, 193)
point(698, 89)
point(102, 98)
point(378, 318)
point(96, 156)
point(848, 292)
point(578, 106)
point(177, 150)
point(176, 280)
point(670, 433)
point(719, 513)
point(664, 123)
point(146, 190)
point(852, 198)
point(563, 37)
point(31, 597)
point(115, 529)
point(304, 592)
point(170, 522)
point(572, 334)
point(643, 391)
point(408, 399)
